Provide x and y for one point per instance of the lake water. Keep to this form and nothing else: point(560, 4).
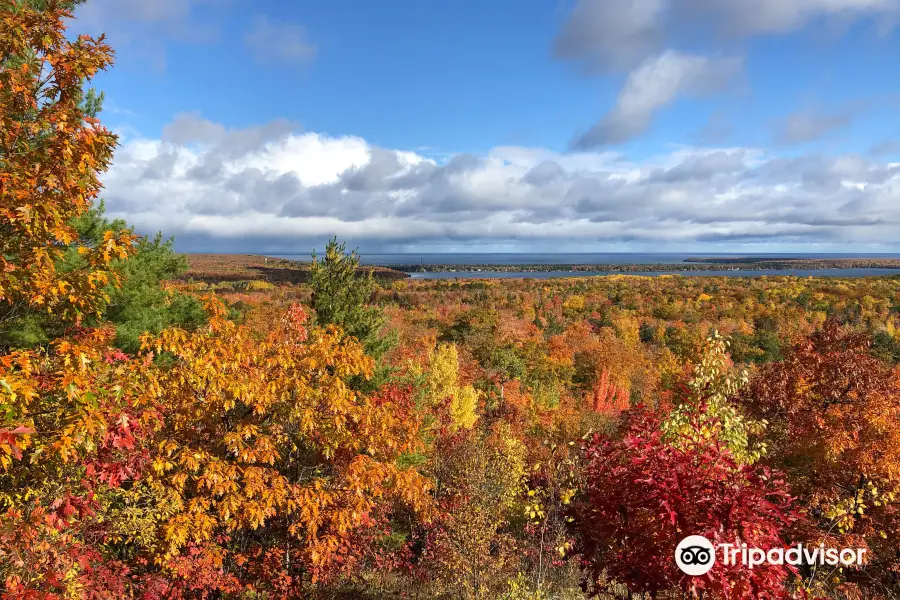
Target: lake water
point(592, 258)
point(595, 258)
point(554, 274)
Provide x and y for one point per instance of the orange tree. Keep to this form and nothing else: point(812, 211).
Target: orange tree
point(267, 457)
point(211, 463)
point(51, 154)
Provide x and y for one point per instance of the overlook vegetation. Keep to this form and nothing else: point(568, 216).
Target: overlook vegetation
point(164, 435)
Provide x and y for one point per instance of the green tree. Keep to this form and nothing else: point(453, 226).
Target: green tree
point(142, 304)
point(341, 297)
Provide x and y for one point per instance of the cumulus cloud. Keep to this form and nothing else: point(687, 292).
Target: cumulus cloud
point(808, 126)
point(279, 41)
point(288, 191)
point(703, 167)
point(192, 129)
point(654, 84)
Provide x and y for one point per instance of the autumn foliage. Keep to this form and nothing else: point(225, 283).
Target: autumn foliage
point(834, 411)
point(212, 462)
point(232, 444)
point(607, 398)
point(526, 440)
point(270, 433)
point(628, 531)
point(50, 156)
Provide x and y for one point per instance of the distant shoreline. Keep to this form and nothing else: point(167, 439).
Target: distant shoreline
point(689, 264)
point(212, 268)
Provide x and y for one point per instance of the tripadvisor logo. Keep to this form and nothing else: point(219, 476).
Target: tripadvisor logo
point(695, 555)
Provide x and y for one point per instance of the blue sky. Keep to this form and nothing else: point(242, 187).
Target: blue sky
point(785, 111)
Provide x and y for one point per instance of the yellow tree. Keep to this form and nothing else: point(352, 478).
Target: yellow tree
point(480, 478)
point(212, 462)
point(443, 386)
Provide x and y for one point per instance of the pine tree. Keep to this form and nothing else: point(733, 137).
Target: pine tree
point(341, 297)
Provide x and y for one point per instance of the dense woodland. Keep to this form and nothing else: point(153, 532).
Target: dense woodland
point(167, 433)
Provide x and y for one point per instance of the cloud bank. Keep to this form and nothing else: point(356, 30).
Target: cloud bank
point(275, 188)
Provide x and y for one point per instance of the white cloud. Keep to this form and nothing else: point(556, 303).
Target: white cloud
point(811, 125)
point(654, 84)
point(167, 12)
point(330, 158)
point(292, 190)
point(808, 126)
point(144, 26)
point(132, 21)
point(886, 147)
point(617, 34)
